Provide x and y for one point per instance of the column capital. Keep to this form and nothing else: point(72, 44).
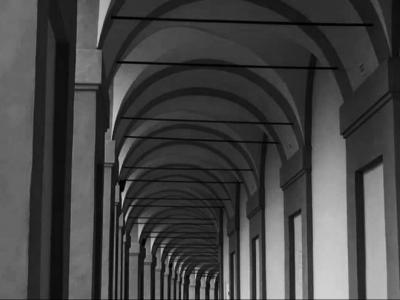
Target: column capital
point(134, 247)
point(148, 260)
point(125, 239)
point(117, 195)
point(88, 69)
point(212, 282)
point(134, 254)
point(121, 221)
point(109, 150)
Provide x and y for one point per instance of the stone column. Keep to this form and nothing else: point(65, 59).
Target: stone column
point(123, 264)
point(212, 289)
point(88, 79)
point(182, 287)
point(208, 288)
point(162, 280)
point(197, 290)
point(217, 287)
point(177, 284)
point(115, 246)
point(120, 254)
point(147, 265)
point(83, 181)
point(157, 275)
point(134, 252)
point(172, 284)
point(166, 280)
point(109, 159)
point(192, 286)
point(178, 287)
point(203, 287)
point(186, 287)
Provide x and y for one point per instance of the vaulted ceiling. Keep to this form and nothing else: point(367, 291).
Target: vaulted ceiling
point(167, 160)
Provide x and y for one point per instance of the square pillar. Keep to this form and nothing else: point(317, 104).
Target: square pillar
point(208, 288)
point(173, 281)
point(108, 199)
point(120, 242)
point(88, 79)
point(192, 286)
point(212, 289)
point(162, 279)
point(179, 287)
point(147, 267)
point(186, 287)
point(124, 255)
point(134, 256)
point(115, 241)
point(203, 283)
point(157, 274)
point(166, 281)
point(183, 287)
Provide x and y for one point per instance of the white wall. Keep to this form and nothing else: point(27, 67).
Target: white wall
point(244, 249)
point(274, 228)
point(329, 192)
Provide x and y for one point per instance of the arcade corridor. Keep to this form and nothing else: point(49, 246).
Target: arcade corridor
point(200, 149)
